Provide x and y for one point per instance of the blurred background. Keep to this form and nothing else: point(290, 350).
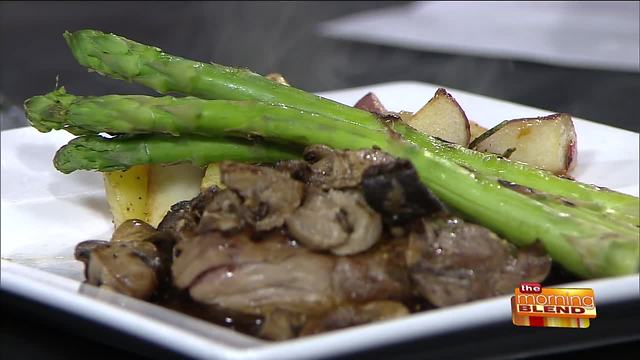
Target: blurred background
point(579, 57)
point(575, 57)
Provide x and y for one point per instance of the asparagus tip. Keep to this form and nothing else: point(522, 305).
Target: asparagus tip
point(45, 112)
point(106, 53)
point(84, 153)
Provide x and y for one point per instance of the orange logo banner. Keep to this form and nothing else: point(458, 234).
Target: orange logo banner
point(533, 305)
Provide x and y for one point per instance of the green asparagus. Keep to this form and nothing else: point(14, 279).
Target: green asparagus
point(121, 58)
point(128, 60)
point(94, 152)
point(137, 114)
point(587, 245)
point(611, 204)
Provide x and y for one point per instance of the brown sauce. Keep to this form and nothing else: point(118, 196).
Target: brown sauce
point(181, 301)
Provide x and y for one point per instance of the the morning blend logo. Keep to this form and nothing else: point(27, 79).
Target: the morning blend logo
point(533, 305)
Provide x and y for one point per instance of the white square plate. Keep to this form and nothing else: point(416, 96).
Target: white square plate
point(45, 214)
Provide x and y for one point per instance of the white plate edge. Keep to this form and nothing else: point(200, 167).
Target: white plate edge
point(329, 339)
point(446, 320)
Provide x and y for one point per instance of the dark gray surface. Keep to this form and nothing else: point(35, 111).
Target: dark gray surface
point(280, 37)
point(269, 37)
point(32, 331)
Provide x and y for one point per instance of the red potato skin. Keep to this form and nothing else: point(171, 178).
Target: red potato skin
point(475, 129)
point(572, 153)
point(371, 103)
point(423, 120)
point(443, 92)
point(570, 158)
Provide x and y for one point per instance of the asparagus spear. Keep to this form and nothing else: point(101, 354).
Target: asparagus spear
point(586, 245)
point(94, 152)
point(610, 203)
point(121, 58)
point(137, 114)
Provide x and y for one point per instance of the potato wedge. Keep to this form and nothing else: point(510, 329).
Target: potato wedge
point(211, 177)
point(442, 117)
point(127, 193)
point(169, 184)
point(476, 129)
point(370, 103)
point(277, 77)
point(548, 142)
point(405, 116)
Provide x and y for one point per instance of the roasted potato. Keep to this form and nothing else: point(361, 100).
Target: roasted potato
point(276, 77)
point(127, 193)
point(146, 192)
point(476, 129)
point(370, 103)
point(442, 117)
point(211, 177)
point(548, 142)
point(169, 184)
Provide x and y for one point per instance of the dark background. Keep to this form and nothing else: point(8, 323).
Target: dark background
point(280, 37)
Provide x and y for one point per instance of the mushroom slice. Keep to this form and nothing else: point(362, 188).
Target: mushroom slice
point(338, 221)
point(269, 194)
point(134, 263)
point(225, 213)
point(133, 230)
point(395, 191)
point(129, 268)
point(334, 169)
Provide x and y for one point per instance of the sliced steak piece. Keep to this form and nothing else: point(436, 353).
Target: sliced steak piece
point(254, 277)
point(258, 277)
point(453, 262)
point(378, 274)
point(281, 324)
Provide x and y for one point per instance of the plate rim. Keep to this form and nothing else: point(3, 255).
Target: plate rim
point(109, 311)
point(208, 347)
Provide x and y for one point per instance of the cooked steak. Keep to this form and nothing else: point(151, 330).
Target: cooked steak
point(259, 276)
point(378, 274)
point(255, 277)
point(351, 315)
point(338, 239)
point(452, 262)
